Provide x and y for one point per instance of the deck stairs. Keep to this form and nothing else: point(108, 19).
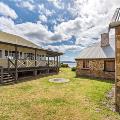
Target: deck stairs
point(6, 78)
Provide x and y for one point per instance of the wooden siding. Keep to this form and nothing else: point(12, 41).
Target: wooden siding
point(21, 63)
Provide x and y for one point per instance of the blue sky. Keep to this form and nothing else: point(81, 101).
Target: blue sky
point(61, 25)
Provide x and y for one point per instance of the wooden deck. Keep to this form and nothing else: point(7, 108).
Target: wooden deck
point(14, 72)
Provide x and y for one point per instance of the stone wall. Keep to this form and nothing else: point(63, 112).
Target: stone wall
point(95, 70)
point(117, 95)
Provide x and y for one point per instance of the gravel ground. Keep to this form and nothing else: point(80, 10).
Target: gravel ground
point(110, 99)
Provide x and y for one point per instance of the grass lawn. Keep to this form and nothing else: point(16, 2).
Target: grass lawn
point(79, 99)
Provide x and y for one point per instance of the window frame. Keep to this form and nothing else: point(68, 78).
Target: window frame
point(86, 65)
point(105, 65)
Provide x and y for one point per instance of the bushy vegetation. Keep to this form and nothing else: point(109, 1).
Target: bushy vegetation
point(79, 99)
point(73, 68)
point(63, 65)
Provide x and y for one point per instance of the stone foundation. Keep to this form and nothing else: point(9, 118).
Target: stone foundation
point(117, 88)
point(95, 70)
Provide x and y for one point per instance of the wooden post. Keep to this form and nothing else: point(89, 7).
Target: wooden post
point(57, 65)
point(54, 61)
point(1, 70)
point(35, 71)
point(35, 57)
point(8, 66)
point(59, 62)
point(16, 60)
point(48, 61)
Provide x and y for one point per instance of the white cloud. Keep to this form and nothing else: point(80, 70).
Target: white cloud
point(5, 10)
point(36, 32)
point(44, 11)
point(70, 28)
point(63, 48)
point(92, 19)
point(57, 3)
point(6, 23)
point(27, 4)
point(43, 18)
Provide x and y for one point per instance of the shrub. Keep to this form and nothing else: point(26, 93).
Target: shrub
point(64, 65)
point(73, 68)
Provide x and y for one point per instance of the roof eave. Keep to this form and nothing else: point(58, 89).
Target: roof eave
point(92, 58)
point(48, 51)
point(114, 24)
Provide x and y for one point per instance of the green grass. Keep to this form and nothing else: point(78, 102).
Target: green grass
point(79, 99)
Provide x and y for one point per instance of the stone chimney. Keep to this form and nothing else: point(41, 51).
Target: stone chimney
point(105, 39)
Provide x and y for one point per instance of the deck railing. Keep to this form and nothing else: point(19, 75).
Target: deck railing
point(23, 63)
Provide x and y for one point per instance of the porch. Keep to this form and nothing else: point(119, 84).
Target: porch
point(22, 61)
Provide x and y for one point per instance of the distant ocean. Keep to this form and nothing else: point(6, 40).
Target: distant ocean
point(71, 64)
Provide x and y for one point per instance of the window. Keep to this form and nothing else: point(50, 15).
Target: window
point(20, 55)
point(25, 56)
point(44, 57)
point(0, 53)
point(6, 53)
point(10, 55)
point(109, 66)
point(86, 64)
point(13, 54)
point(40, 57)
point(32, 56)
point(29, 56)
point(37, 56)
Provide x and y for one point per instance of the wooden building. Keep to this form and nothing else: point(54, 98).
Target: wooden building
point(19, 57)
point(98, 60)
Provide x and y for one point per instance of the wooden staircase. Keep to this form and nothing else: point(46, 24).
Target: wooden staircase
point(6, 78)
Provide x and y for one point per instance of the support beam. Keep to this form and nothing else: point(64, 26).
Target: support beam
point(8, 66)
point(1, 71)
point(35, 71)
point(54, 60)
point(16, 61)
point(48, 61)
point(57, 65)
point(59, 62)
point(35, 57)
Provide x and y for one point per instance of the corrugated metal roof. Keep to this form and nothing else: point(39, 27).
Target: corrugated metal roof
point(96, 51)
point(17, 40)
point(14, 39)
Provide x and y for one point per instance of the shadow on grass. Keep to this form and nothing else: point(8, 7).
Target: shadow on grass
point(96, 79)
point(28, 78)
